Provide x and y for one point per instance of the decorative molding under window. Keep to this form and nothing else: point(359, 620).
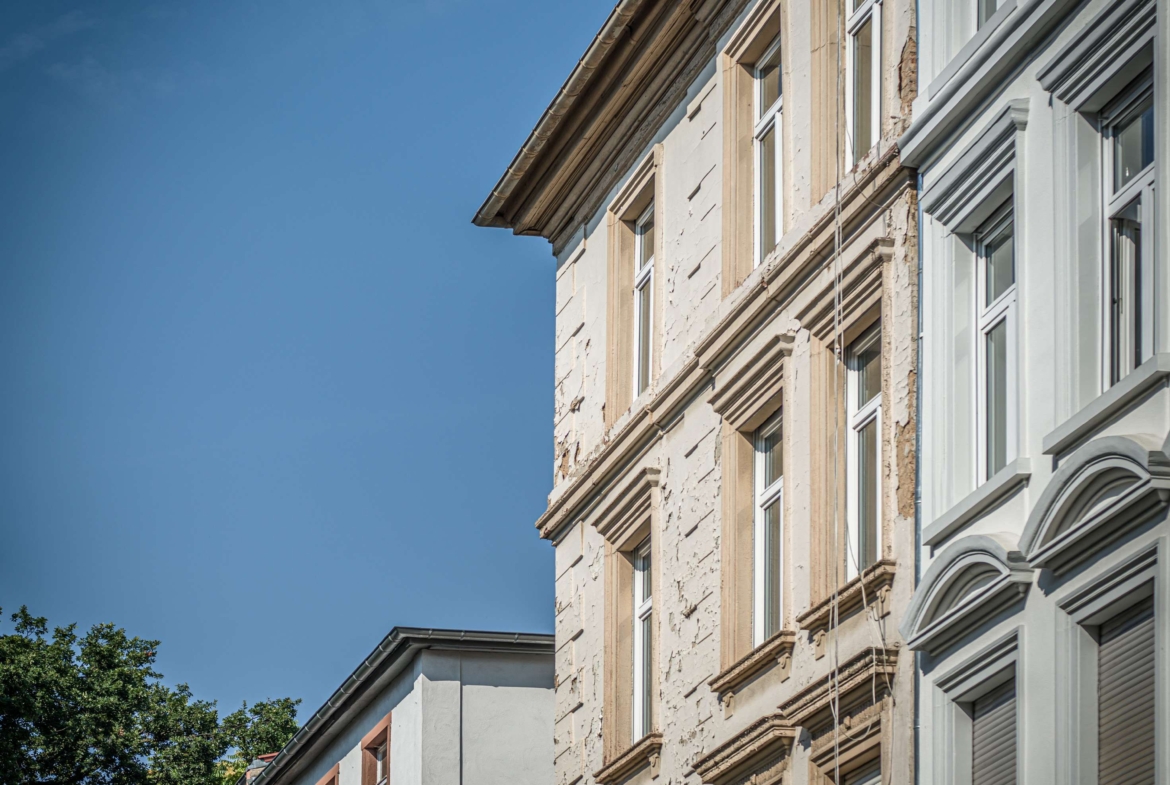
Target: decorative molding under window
point(970, 583)
point(647, 753)
point(1104, 490)
point(759, 751)
point(982, 178)
point(1153, 373)
point(1109, 49)
point(812, 708)
point(872, 587)
point(1005, 482)
point(774, 652)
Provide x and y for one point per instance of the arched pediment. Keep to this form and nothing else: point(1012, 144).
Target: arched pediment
point(973, 579)
point(1103, 490)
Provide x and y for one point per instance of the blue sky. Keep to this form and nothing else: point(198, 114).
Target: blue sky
point(266, 391)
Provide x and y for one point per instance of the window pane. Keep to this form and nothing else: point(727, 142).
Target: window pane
point(768, 74)
point(862, 90)
point(868, 776)
point(380, 759)
point(1001, 268)
point(868, 362)
point(772, 545)
point(986, 9)
point(767, 145)
point(644, 336)
point(773, 449)
point(646, 244)
point(867, 501)
point(647, 673)
point(644, 569)
point(1133, 146)
point(996, 339)
point(1125, 283)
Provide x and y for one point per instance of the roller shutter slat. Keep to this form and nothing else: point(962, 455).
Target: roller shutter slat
point(1125, 698)
point(993, 742)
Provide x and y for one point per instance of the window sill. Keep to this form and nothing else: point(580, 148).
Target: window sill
point(979, 501)
point(813, 707)
point(776, 651)
point(645, 752)
point(765, 739)
point(1108, 404)
point(872, 586)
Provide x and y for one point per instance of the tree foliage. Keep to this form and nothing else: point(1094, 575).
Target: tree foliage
point(92, 710)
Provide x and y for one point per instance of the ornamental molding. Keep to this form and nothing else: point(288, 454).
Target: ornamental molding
point(776, 652)
point(646, 753)
point(751, 384)
point(872, 587)
point(1104, 490)
point(630, 507)
point(865, 675)
point(759, 751)
point(971, 582)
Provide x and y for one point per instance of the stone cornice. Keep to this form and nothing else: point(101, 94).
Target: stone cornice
point(748, 387)
point(786, 274)
point(768, 737)
point(630, 507)
point(777, 650)
point(645, 752)
point(869, 587)
point(872, 671)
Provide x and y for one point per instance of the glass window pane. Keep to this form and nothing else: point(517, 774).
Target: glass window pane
point(768, 74)
point(1125, 285)
point(647, 672)
point(986, 9)
point(867, 501)
point(997, 395)
point(863, 90)
point(767, 146)
point(772, 545)
point(868, 361)
point(1001, 268)
point(644, 569)
point(1133, 146)
point(644, 336)
point(646, 243)
point(773, 449)
point(867, 776)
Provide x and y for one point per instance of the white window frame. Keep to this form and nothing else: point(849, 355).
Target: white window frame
point(1140, 189)
point(1003, 309)
point(869, 9)
point(643, 609)
point(768, 118)
point(766, 497)
point(859, 417)
point(643, 277)
point(380, 768)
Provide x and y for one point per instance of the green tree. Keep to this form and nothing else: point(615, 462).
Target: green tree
point(92, 710)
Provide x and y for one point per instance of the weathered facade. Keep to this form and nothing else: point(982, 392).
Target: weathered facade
point(1040, 623)
point(733, 507)
point(431, 706)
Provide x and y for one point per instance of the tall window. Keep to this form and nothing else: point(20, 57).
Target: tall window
point(1126, 661)
point(769, 491)
point(643, 298)
point(993, 736)
point(643, 641)
point(376, 754)
point(1129, 196)
point(863, 455)
point(996, 293)
point(863, 73)
point(769, 103)
point(381, 759)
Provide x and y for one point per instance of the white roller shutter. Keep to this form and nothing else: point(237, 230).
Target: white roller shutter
point(993, 742)
point(1125, 698)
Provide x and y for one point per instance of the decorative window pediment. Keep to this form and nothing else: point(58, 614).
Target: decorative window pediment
point(750, 383)
point(758, 751)
point(630, 507)
point(1105, 489)
point(982, 178)
point(812, 708)
point(970, 582)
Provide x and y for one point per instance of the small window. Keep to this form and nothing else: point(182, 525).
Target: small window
point(867, 775)
point(768, 530)
point(864, 81)
point(643, 641)
point(1128, 127)
point(376, 754)
point(643, 299)
point(380, 761)
point(985, 10)
point(863, 457)
point(996, 293)
point(769, 103)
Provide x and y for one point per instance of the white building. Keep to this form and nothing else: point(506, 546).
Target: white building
point(1041, 619)
point(429, 707)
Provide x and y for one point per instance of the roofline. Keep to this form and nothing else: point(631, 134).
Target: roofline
point(594, 57)
point(391, 656)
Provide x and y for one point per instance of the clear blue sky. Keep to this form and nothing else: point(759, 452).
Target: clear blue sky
point(265, 390)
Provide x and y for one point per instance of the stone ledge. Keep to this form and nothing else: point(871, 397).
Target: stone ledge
point(871, 586)
point(646, 752)
point(812, 707)
point(768, 737)
point(777, 650)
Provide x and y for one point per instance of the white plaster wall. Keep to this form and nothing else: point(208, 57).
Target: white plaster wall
point(507, 719)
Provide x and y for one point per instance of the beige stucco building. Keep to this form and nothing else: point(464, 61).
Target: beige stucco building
point(733, 508)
